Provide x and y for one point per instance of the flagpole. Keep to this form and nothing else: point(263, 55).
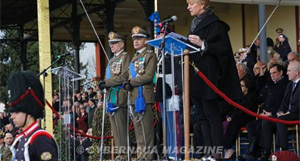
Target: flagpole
point(155, 20)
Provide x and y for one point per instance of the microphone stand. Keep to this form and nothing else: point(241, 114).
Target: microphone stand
point(44, 81)
point(162, 49)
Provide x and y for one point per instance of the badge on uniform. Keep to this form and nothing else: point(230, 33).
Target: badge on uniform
point(111, 35)
point(136, 30)
point(46, 156)
point(139, 65)
point(116, 66)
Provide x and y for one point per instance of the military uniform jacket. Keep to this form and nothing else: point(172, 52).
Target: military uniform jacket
point(145, 67)
point(119, 73)
point(34, 144)
point(6, 154)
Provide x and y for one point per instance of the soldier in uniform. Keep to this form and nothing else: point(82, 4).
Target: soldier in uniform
point(116, 74)
point(26, 105)
point(8, 140)
point(140, 84)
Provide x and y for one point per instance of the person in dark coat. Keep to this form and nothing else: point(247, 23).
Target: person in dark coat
point(238, 118)
point(289, 110)
point(284, 47)
point(271, 96)
point(216, 61)
point(26, 104)
point(92, 107)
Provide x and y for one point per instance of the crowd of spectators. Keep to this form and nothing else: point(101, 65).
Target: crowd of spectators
point(266, 90)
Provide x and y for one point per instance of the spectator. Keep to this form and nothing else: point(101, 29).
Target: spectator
point(99, 96)
point(238, 118)
point(243, 72)
point(92, 107)
point(77, 97)
point(8, 140)
point(293, 56)
point(237, 57)
point(74, 115)
point(284, 47)
point(91, 93)
point(11, 129)
point(55, 102)
point(84, 97)
point(279, 31)
point(86, 143)
point(260, 75)
point(248, 58)
point(276, 56)
point(82, 120)
point(274, 61)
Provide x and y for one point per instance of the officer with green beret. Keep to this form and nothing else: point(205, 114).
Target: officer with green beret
point(140, 84)
point(116, 74)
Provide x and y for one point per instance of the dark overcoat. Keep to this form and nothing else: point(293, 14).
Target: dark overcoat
point(216, 61)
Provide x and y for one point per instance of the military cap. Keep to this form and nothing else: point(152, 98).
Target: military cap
point(114, 37)
point(242, 50)
point(280, 30)
point(138, 32)
point(26, 94)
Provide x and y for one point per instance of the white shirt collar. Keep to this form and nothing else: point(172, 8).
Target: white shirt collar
point(141, 50)
point(296, 81)
point(118, 53)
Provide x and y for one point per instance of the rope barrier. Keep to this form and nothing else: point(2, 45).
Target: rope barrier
point(228, 100)
point(81, 133)
point(89, 136)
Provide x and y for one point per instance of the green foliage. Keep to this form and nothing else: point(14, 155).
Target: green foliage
point(60, 138)
point(10, 59)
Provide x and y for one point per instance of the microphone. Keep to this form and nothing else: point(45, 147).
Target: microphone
point(63, 55)
point(171, 19)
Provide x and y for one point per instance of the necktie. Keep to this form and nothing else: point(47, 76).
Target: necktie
point(293, 88)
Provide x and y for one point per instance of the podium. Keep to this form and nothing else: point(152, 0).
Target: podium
point(67, 73)
point(174, 44)
point(67, 80)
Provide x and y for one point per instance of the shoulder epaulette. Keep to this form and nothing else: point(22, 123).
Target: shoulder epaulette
point(39, 133)
point(150, 51)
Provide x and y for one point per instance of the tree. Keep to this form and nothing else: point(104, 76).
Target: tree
point(10, 60)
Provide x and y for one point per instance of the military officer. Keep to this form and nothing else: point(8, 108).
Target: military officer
point(140, 84)
point(116, 74)
point(8, 140)
point(26, 104)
